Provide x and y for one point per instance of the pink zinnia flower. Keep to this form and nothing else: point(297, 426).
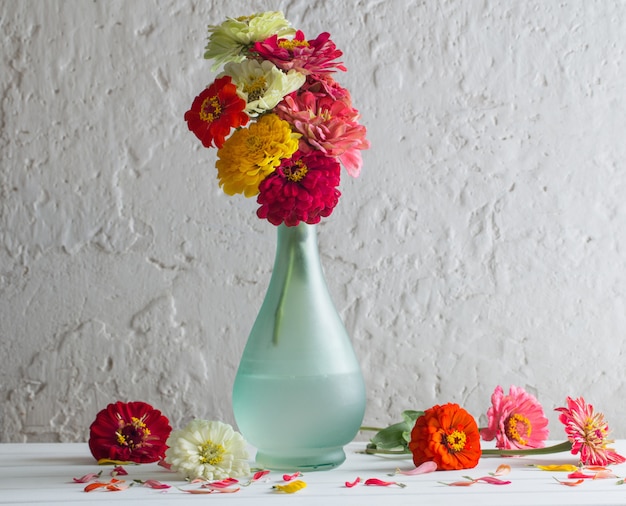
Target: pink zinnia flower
point(515, 420)
point(588, 431)
point(306, 56)
point(326, 124)
point(302, 188)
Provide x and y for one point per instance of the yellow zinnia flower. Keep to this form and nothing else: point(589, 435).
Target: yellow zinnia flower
point(250, 154)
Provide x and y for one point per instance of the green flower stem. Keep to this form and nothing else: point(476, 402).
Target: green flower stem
point(566, 446)
point(370, 429)
point(278, 316)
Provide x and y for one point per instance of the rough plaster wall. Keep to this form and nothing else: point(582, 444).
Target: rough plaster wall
point(484, 243)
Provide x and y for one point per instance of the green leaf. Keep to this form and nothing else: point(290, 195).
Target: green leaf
point(391, 438)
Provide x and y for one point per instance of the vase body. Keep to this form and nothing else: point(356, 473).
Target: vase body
point(299, 394)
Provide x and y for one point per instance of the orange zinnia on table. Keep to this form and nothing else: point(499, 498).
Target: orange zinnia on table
point(447, 435)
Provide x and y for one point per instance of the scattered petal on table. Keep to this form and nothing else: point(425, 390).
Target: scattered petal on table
point(569, 468)
point(119, 471)
point(156, 484)
point(606, 473)
point(492, 480)
point(576, 475)
point(291, 487)
point(426, 467)
point(87, 478)
point(289, 477)
point(198, 490)
point(112, 486)
point(459, 483)
point(256, 477)
point(109, 462)
point(164, 464)
point(380, 483)
point(570, 483)
point(351, 484)
point(228, 482)
point(502, 470)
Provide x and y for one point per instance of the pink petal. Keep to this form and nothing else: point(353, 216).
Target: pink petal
point(289, 477)
point(221, 484)
point(164, 464)
point(380, 483)
point(351, 484)
point(493, 481)
point(119, 471)
point(259, 474)
point(156, 484)
point(426, 467)
point(570, 483)
point(459, 483)
point(87, 478)
point(578, 475)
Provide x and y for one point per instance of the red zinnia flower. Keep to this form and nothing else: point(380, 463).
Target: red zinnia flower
point(314, 56)
point(302, 188)
point(131, 432)
point(215, 111)
point(447, 435)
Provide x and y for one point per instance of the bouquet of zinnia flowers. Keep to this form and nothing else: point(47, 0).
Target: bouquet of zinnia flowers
point(281, 124)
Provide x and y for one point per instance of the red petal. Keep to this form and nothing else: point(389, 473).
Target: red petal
point(353, 483)
point(156, 484)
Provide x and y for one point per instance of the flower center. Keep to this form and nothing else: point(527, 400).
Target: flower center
point(211, 453)
point(255, 88)
point(290, 45)
point(296, 172)
point(211, 109)
point(518, 427)
point(595, 431)
point(455, 441)
point(132, 434)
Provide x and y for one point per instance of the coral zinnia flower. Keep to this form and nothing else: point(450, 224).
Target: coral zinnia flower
point(588, 433)
point(303, 188)
point(250, 154)
point(328, 125)
point(208, 449)
point(132, 432)
point(231, 40)
point(447, 435)
point(314, 56)
point(515, 420)
point(215, 111)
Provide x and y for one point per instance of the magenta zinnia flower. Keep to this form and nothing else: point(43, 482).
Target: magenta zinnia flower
point(306, 56)
point(327, 124)
point(588, 431)
point(515, 420)
point(302, 188)
point(130, 432)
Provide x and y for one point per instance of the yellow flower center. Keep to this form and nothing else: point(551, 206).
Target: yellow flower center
point(296, 172)
point(211, 453)
point(518, 427)
point(132, 434)
point(255, 88)
point(211, 109)
point(456, 441)
point(291, 44)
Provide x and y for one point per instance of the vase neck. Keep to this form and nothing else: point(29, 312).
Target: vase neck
point(297, 249)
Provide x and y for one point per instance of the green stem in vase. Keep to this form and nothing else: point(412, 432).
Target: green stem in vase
point(278, 316)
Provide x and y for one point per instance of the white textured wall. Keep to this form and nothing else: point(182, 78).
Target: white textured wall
point(484, 244)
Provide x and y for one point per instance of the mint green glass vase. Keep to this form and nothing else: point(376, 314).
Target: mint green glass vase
point(299, 394)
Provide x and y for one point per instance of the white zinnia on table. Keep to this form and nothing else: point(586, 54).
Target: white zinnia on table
point(207, 449)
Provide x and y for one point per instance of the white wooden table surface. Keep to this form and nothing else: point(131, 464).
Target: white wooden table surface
point(34, 473)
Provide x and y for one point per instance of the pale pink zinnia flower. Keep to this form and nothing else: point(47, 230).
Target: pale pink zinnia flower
point(516, 420)
point(588, 431)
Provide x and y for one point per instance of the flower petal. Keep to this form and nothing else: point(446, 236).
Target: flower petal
point(558, 467)
point(289, 477)
point(351, 484)
point(291, 487)
point(87, 477)
point(570, 483)
point(156, 484)
point(502, 470)
point(426, 467)
point(380, 483)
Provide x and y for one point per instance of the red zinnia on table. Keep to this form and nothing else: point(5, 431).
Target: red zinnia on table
point(129, 432)
point(447, 435)
point(588, 432)
point(215, 111)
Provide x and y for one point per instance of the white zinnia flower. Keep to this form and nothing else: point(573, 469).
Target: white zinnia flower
point(262, 84)
point(230, 40)
point(207, 449)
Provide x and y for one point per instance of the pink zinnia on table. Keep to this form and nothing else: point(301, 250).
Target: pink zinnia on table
point(515, 420)
point(129, 432)
point(587, 431)
point(314, 56)
point(326, 124)
point(303, 188)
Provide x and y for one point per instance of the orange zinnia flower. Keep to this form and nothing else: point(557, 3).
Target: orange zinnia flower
point(447, 435)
